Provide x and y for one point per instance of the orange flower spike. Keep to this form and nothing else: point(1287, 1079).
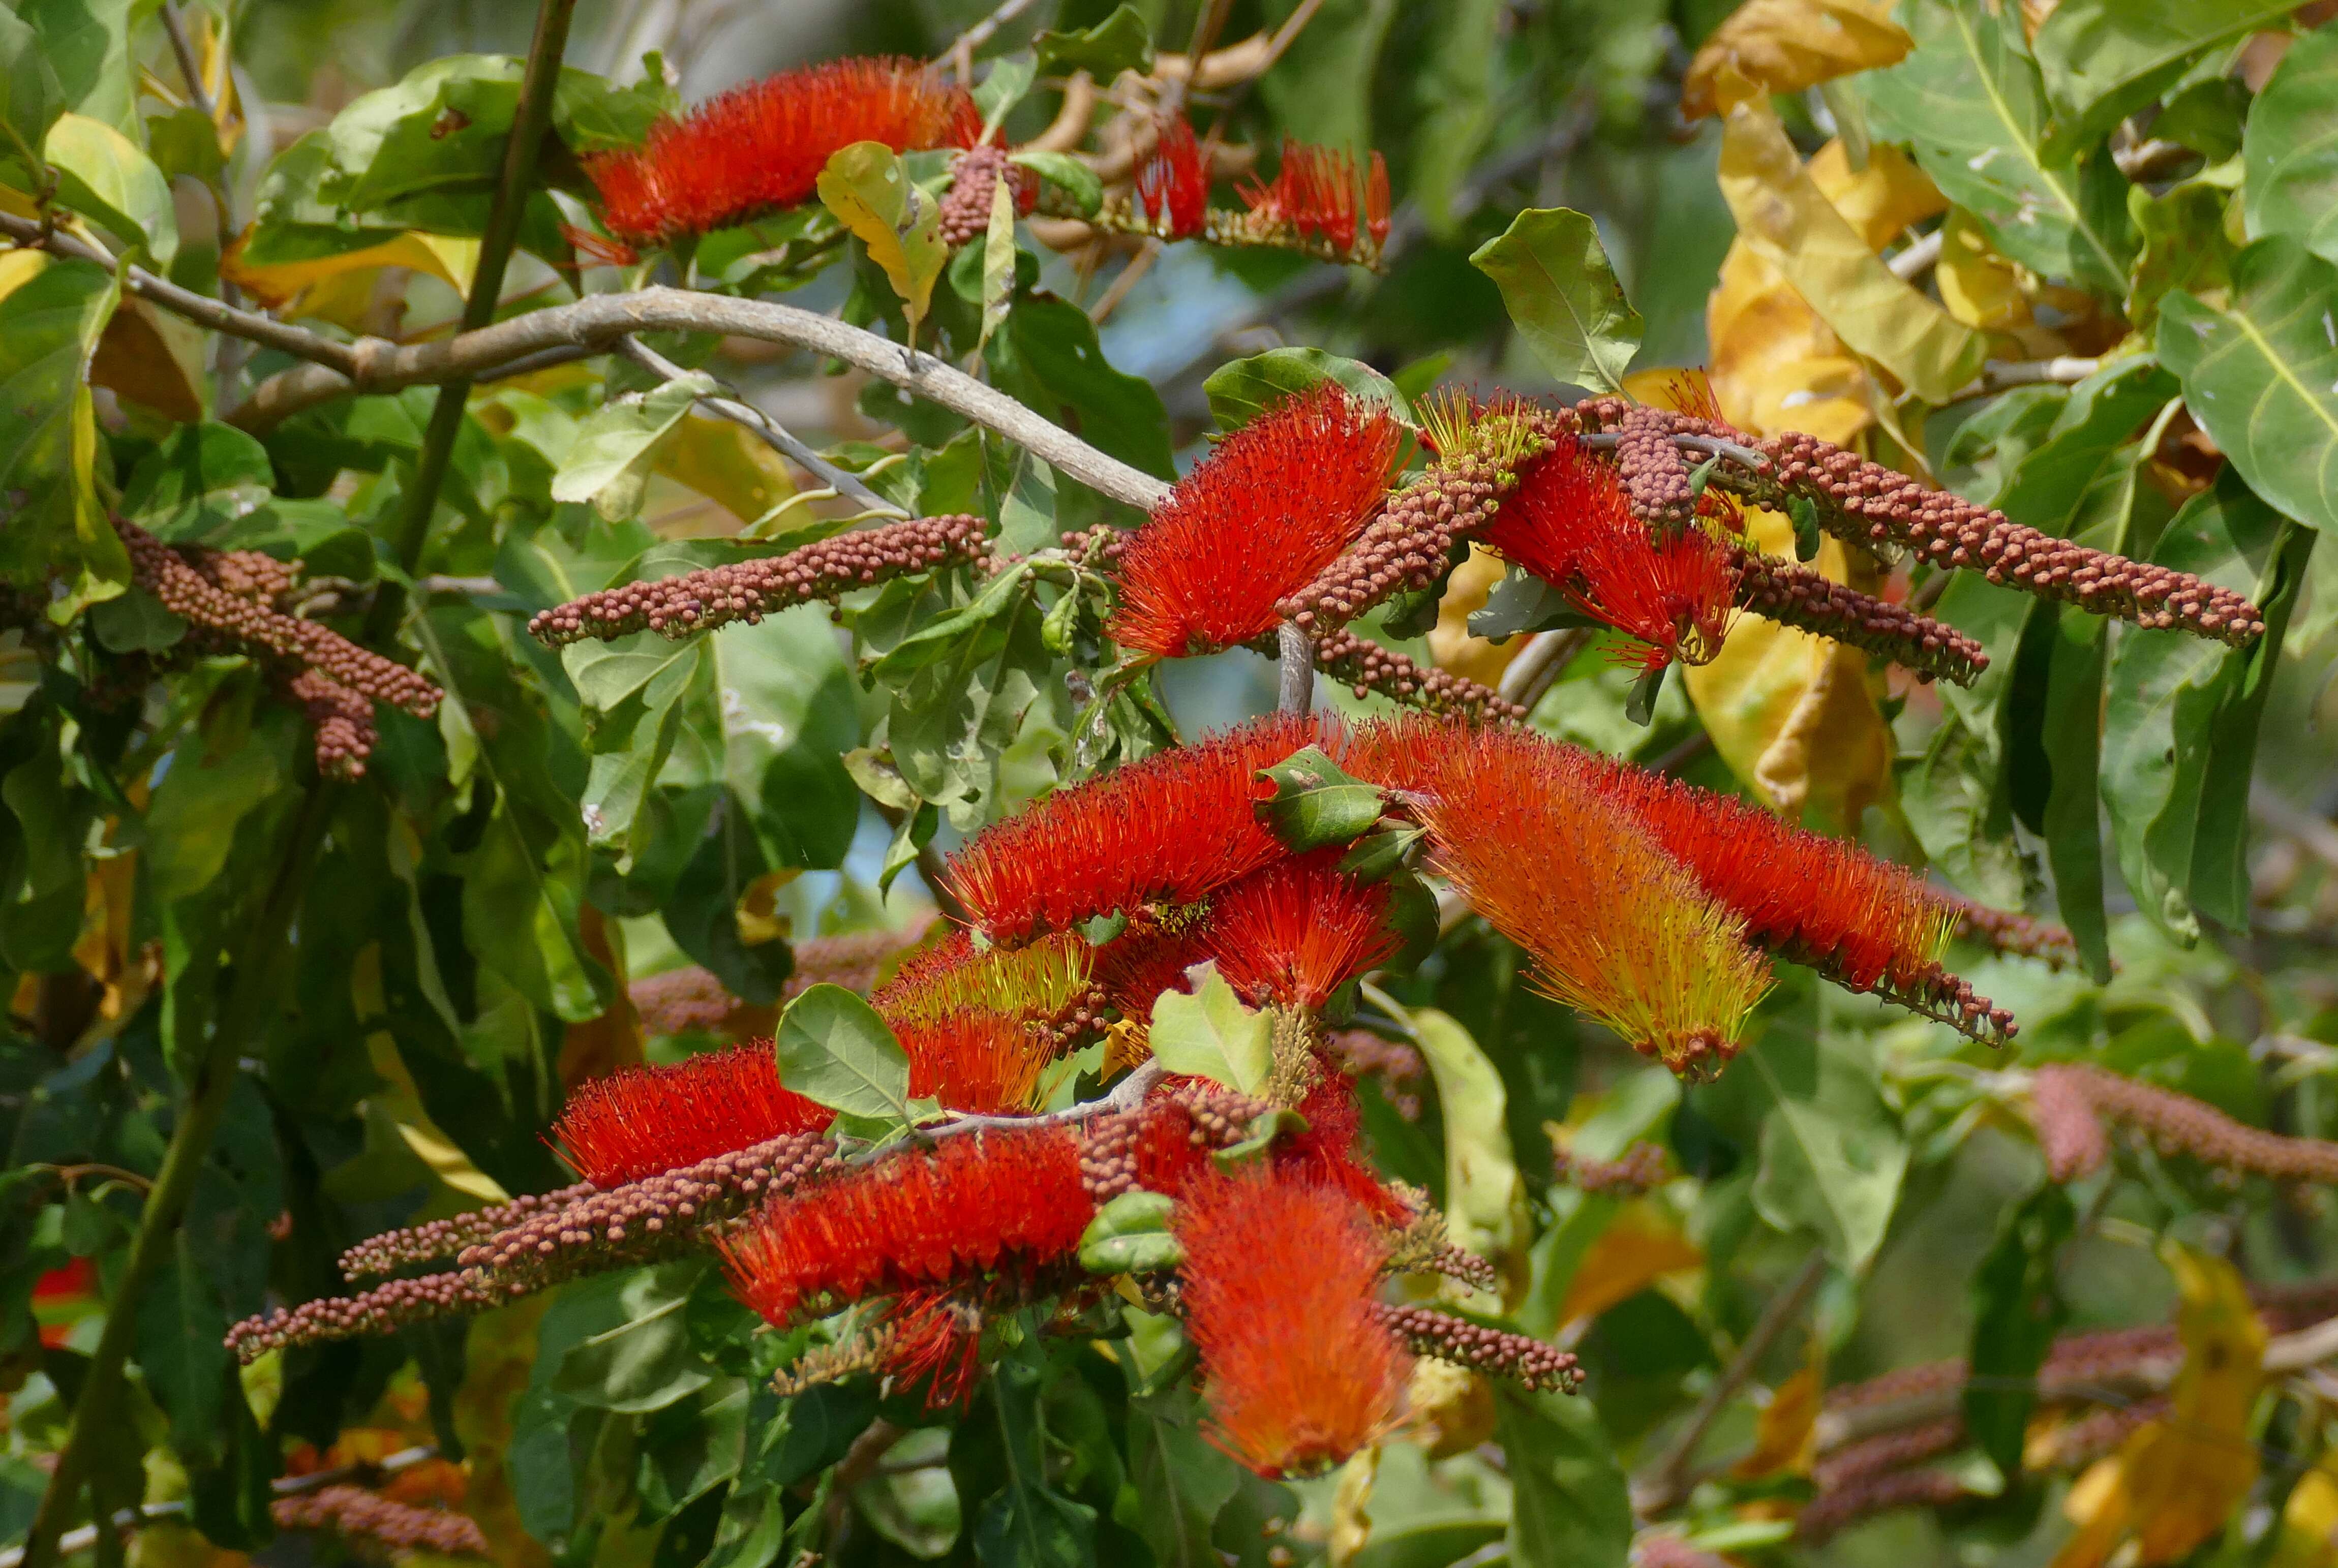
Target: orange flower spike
point(641, 1121)
point(1376, 200)
point(1674, 595)
point(1279, 1278)
point(1297, 931)
point(1564, 502)
point(1172, 828)
point(1272, 506)
point(761, 146)
point(1618, 928)
point(975, 1061)
point(975, 1205)
point(1173, 183)
point(955, 976)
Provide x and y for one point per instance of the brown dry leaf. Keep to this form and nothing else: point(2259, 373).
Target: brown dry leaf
point(1449, 641)
point(498, 1358)
point(1784, 218)
point(1785, 1437)
point(153, 359)
point(726, 462)
point(598, 1047)
point(280, 284)
point(2172, 1484)
point(1640, 1246)
point(1787, 45)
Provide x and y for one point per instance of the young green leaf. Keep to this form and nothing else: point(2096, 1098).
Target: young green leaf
point(1242, 389)
point(1211, 1035)
point(1119, 43)
point(833, 1048)
point(104, 175)
point(1130, 1235)
point(1563, 295)
point(1315, 802)
point(2017, 1308)
point(1075, 180)
point(609, 465)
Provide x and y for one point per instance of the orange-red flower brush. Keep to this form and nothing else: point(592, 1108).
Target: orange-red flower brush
point(761, 146)
point(975, 1205)
point(1272, 506)
point(1317, 193)
point(1618, 928)
point(1297, 931)
point(640, 1122)
point(1331, 1152)
point(1278, 1281)
point(971, 1060)
point(1172, 828)
point(1172, 182)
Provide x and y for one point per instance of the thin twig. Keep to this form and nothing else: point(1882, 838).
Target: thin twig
point(2003, 374)
point(1668, 1479)
point(982, 32)
point(1126, 1095)
point(1918, 259)
point(774, 434)
point(1541, 662)
point(1295, 674)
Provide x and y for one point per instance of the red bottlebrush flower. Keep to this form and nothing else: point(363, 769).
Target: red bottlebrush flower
point(1151, 956)
point(1314, 194)
point(1172, 828)
point(762, 146)
point(1618, 929)
point(641, 1120)
point(1274, 504)
point(1563, 502)
point(1173, 183)
point(1818, 901)
point(1331, 1152)
point(1279, 1278)
point(1297, 931)
point(955, 976)
point(937, 1338)
point(975, 1061)
point(975, 1204)
point(1376, 200)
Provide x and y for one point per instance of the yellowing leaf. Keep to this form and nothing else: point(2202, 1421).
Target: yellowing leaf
point(2172, 1484)
point(498, 1358)
point(2309, 1521)
point(1785, 219)
point(1485, 1201)
point(1452, 1407)
point(759, 920)
point(278, 284)
point(1641, 1245)
point(1784, 1437)
point(1787, 45)
point(726, 462)
point(1351, 1519)
point(152, 358)
point(1449, 641)
point(867, 187)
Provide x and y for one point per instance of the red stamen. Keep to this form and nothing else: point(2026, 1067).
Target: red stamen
point(1274, 504)
point(975, 1061)
point(1172, 182)
point(640, 1122)
point(1297, 931)
point(1279, 1277)
point(761, 146)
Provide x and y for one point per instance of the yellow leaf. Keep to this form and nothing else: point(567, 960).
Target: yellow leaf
point(1787, 45)
point(1351, 1520)
point(1449, 641)
point(2309, 1521)
point(152, 358)
point(278, 284)
point(1641, 1245)
point(1485, 1201)
point(867, 187)
point(760, 920)
point(1785, 1438)
point(1979, 288)
point(726, 462)
point(2174, 1482)
point(1452, 1407)
point(1786, 219)
point(18, 267)
point(399, 1101)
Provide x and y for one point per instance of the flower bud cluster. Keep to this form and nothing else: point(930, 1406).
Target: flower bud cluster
point(1497, 1352)
point(2072, 1100)
point(1642, 1169)
point(383, 1309)
point(1887, 1451)
point(1832, 1512)
point(1366, 666)
point(343, 721)
point(2094, 1435)
point(1864, 501)
point(715, 596)
point(974, 177)
point(1655, 475)
point(234, 622)
point(1398, 1066)
point(356, 1515)
point(1158, 1143)
point(436, 1239)
point(1797, 597)
point(2011, 932)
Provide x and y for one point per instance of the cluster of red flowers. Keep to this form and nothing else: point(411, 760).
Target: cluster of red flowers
point(1320, 194)
point(1272, 506)
point(761, 147)
point(642, 1121)
point(1172, 182)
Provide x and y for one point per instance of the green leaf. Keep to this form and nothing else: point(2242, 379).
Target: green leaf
point(30, 96)
point(1832, 1155)
point(1563, 296)
point(998, 260)
point(87, 46)
point(1313, 801)
point(1182, 1479)
point(1025, 1524)
point(867, 187)
point(1067, 174)
point(199, 477)
point(1956, 800)
point(645, 1362)
point(2017, 1308)
point(438, 133)
point(999, 91)
point(2185, 246)
point(2290, 147)
point(2261, 374)
point(1119, 43)
point(833, 1048)
point(2102, 60)
point(1130, 1235)
point(1455, 89)
point(1522, 602)
point(609, 465)
point(136, 622)
point(1570, 1507)
point(1970, 99)
point(1242, 389)
point(1321, 91)
point(49, 326)
point(2081, 480)
point(2169, 692)
point(1211, 1035)
point(104, 175)
point(1053, 342)
point(181, 1327)
point(1804, 512)
point(1485, 1199)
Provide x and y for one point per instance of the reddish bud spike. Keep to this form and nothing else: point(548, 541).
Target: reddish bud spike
point(1300, 1372)
point(1173, 183)
point(639, 1122)
point(1272, 506)
point(1297, 931)
point(974, 1205)
point(1172, 828)
point(761, 146)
